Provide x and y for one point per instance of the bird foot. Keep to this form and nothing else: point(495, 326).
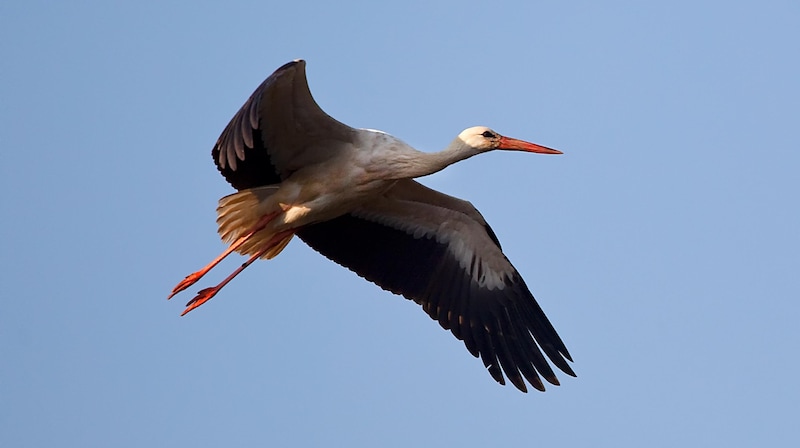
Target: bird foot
point(202, 297)
point(190, 280)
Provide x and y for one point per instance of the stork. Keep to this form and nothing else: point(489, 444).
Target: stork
point(350, 194)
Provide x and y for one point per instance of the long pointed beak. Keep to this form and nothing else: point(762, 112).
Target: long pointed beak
point(521, 145)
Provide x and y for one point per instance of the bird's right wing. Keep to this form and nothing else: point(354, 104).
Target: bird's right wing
point(439, 252)
point(277, 131)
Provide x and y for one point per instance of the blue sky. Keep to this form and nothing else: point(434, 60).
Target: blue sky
point(663, 244)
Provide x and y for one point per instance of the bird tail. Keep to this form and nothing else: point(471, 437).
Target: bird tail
point(238, 214)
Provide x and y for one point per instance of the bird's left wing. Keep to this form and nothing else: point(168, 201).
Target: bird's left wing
point(277, 131)
point(439, 252)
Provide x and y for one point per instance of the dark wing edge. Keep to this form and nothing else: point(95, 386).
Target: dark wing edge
point(501, 326)
point(240, 154)
point(278, 130)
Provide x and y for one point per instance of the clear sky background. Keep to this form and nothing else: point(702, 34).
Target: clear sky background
point(664, 244)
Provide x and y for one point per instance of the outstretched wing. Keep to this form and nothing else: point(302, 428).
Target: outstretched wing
point(439, 252)
point(278, 130)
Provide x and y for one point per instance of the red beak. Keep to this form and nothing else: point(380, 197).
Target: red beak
point(521, 145)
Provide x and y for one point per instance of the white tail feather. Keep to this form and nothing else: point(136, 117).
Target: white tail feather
point(238, 213)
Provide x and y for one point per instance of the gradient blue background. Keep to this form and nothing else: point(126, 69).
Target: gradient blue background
point(664, 244)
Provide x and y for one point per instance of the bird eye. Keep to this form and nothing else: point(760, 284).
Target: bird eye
point(488, 134)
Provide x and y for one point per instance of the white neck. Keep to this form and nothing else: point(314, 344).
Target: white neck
point(407, 162)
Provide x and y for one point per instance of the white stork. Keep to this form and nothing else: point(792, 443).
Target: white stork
point(350, 194)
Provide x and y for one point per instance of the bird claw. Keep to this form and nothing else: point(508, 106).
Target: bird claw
point(202, 297)
point(190, 280)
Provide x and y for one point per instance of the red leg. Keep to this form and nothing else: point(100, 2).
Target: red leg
point(206, 294)
point(192, 278)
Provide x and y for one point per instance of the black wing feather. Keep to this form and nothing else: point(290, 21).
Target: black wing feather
point(240, 153)
point(502, 326)
point(278, 130)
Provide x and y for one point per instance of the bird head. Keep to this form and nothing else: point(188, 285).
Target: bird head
point(484, 139)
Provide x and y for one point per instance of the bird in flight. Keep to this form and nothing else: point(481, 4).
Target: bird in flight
point(350, 194)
